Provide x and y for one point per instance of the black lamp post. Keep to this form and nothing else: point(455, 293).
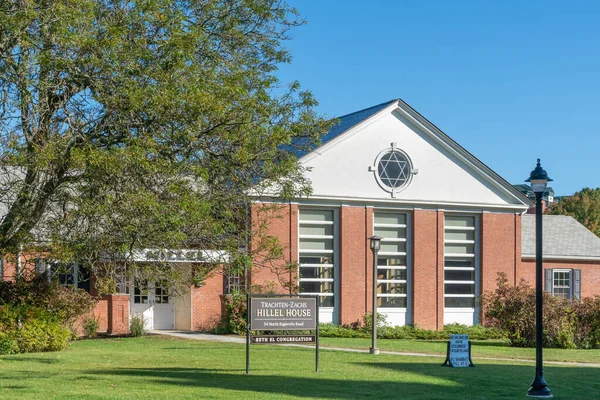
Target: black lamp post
point(375, 246)
point(539, 180)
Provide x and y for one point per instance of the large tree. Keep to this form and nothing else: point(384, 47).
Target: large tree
point(584, 206)
point(143, 124)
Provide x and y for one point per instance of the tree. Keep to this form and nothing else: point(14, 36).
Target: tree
point(584, 206)
point(143, 124)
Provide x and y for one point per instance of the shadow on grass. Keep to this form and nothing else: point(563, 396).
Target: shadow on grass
point(40, 360)
point(396, 380)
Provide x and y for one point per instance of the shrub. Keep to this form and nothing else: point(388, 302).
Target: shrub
point(8, 344)
point(90, 326)
point(64, 302)
point(137, 325)
point(384, 331)
point(28, 329)
point(336, 331)
point(587, 335)
point(235, 315)
point(567, 324)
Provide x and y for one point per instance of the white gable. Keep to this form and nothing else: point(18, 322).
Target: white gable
point(445, 173)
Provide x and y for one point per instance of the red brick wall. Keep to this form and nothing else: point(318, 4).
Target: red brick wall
point(283, 225)
point(207, 305)
point(118, 313)
point(425, 269)
point(498, 238)
point(590, 274)
point(356, 279)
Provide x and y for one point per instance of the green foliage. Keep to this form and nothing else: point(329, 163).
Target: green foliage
point(90, 326)
point(42, 335)
point(145, 124)
point(384, 331)
point(587, 334)
point(584, 206)
point(337, 331)
point(136, 327)
point(567, 324)
point(235, 317)
point(8, 344)
point(27, 329)
point(64, 303)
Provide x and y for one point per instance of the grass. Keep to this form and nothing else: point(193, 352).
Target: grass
point(162, 368)
point(480, 348)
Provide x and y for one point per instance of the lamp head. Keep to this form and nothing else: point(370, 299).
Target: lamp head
point(538, 179)
point(375, 242)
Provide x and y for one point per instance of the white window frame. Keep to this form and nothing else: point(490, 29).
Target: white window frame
point(475, 255)
point(570, 287)
point(404, 254)
point(333, 253)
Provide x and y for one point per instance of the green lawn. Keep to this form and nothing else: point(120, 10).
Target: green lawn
point(162, 368)
point(480, 348)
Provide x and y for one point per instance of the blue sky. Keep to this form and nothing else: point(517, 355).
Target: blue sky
point(510, 81)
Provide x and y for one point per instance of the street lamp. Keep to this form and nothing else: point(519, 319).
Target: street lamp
point(539, 180)
point(375, 246)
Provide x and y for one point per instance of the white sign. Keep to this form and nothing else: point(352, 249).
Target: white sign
point(459, 351)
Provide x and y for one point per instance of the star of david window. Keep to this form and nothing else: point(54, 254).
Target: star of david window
point(393, 170)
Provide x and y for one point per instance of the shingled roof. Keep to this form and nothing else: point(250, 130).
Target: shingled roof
point(564, 238)
point(347, 122)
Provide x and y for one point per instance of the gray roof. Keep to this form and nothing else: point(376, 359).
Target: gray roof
point(348, 121)
point(564, 238)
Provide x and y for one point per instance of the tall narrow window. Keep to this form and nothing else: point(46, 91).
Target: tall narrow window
point(392, 273)
point(459, 261)
point(316, 255)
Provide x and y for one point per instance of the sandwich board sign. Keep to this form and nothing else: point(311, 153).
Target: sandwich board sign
point(458, 352)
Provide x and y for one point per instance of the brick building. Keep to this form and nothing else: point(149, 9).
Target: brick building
point(449, 225)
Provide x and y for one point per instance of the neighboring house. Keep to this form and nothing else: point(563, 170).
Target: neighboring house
point(548, 196)
point(449, 225)
point(571, 256)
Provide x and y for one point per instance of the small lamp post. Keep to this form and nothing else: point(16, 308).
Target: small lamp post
point(375, 246)
point(539, 180)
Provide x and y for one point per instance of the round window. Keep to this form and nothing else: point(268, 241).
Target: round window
point(393, 170)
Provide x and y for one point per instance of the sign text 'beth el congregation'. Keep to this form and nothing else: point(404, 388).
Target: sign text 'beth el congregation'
point(286, 314)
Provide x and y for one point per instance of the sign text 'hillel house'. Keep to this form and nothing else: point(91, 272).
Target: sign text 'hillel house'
point(283, 314)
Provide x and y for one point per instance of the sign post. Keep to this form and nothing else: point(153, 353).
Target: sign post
point(282, 313)
point(458, 352)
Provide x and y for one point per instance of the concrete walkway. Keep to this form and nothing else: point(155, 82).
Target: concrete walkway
point(236, 339)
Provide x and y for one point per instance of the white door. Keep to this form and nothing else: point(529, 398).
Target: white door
point(153, 303)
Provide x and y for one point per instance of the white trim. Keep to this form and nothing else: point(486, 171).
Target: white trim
point(313, 222)
point(402, 204)
point(309, 251)
point(350, 132)
point(406, 319)
point(327, 314)
point(461, 153)
point(316, 265)
point(459, 255)
point(561, 258)
point(318, 237)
